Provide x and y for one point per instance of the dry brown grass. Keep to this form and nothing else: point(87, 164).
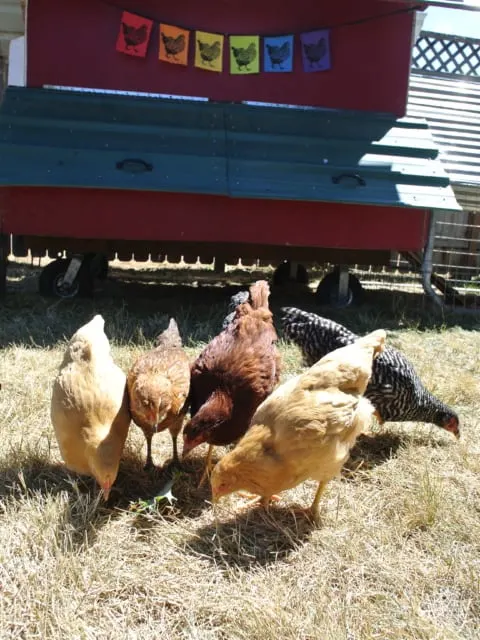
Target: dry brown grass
point(396, 555)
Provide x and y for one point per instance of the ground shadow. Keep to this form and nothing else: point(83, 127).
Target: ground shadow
point(84, 511)
point(252, 537)
point(370, 451)
point(136, 306)
point(138, 490)
point(374, 449)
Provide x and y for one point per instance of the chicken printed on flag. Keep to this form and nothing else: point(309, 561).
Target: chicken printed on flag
point(134, 35)
point(278, 54)
point(316, 50)
point(244, 54)
point(173, 44)
point(209, 51)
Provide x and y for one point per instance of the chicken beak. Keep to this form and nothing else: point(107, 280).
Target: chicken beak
point(106, 488)
point(452, 427)
point(189, 445)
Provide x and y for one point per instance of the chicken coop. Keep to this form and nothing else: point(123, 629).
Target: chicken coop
point(266, 131)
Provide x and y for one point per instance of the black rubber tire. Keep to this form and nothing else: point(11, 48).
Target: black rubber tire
point(281, 275)
point(49, 282)
point(328, 288)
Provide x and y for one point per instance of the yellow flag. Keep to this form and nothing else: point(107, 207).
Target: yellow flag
point(209, 51)
point(244, 54)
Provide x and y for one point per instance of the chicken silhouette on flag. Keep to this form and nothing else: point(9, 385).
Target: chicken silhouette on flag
point(278, 54)
point(244, 54)
point(209, 51)
point(316, 50)
point(173, 44)
point(134, 35)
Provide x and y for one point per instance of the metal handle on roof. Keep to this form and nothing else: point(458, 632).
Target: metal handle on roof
point(354, 176)
point(134, 165)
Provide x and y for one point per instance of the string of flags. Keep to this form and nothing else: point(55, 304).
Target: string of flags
point(247, 54)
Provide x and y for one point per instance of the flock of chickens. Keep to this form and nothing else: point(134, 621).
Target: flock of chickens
point(283, 434)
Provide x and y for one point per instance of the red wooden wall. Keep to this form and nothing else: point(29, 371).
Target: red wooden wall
point(146, 215)
point(72, 43)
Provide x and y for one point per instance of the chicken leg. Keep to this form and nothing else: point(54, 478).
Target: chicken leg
point(208, 466)
point(149, 463)
point(311, 512)
point(314, 508)
point(175, 459)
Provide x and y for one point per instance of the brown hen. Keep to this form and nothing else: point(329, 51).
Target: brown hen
point(235, 372)
point(158, 385)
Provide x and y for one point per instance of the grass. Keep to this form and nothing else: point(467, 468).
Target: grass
point(396, 556)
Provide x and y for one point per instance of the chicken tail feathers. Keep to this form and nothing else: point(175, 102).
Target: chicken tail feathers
point(259, 294)
point(88, 338)
point(375, 339)
point(170, 337)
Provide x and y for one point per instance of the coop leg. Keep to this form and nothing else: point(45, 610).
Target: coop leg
point(72, 269)
point(4, 238)
point(293, 271)
point(219, 266)
point(343, 278)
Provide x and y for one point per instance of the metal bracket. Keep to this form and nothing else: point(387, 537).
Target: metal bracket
point(343, 278)
point(293, 270)
point(72, 270)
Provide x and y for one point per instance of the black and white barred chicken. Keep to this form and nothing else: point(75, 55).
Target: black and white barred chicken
point(395, 389)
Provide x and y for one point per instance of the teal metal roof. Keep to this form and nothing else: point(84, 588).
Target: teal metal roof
point(76, 139)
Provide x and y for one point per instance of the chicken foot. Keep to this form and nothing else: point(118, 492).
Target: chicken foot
point(256, 498)
point(312, 511)
point(263, 500)
point(208, 467)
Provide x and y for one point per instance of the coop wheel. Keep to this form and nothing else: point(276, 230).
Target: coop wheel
point(327, 290)
point(282, 274)
point(50, 282)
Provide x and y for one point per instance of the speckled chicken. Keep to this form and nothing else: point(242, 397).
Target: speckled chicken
point(235, 372)
point(158, 385)
point(395, 390)
point(89, 406)
point(305, 428)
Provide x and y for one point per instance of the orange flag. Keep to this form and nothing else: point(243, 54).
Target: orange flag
point(173, 44)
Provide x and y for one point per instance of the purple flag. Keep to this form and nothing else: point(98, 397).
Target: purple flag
point(316, 50)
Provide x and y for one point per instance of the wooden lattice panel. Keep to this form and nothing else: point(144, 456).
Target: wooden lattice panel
point(435, 53)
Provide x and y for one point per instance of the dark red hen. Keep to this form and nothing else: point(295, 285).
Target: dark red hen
point(235, 372)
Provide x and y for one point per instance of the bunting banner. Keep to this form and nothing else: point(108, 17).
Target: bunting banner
point(247, 54)
point(244, 54)
point(209, 51)
point(134, 35)
point(278, 54)
point(174, 43)
point(316, 50)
